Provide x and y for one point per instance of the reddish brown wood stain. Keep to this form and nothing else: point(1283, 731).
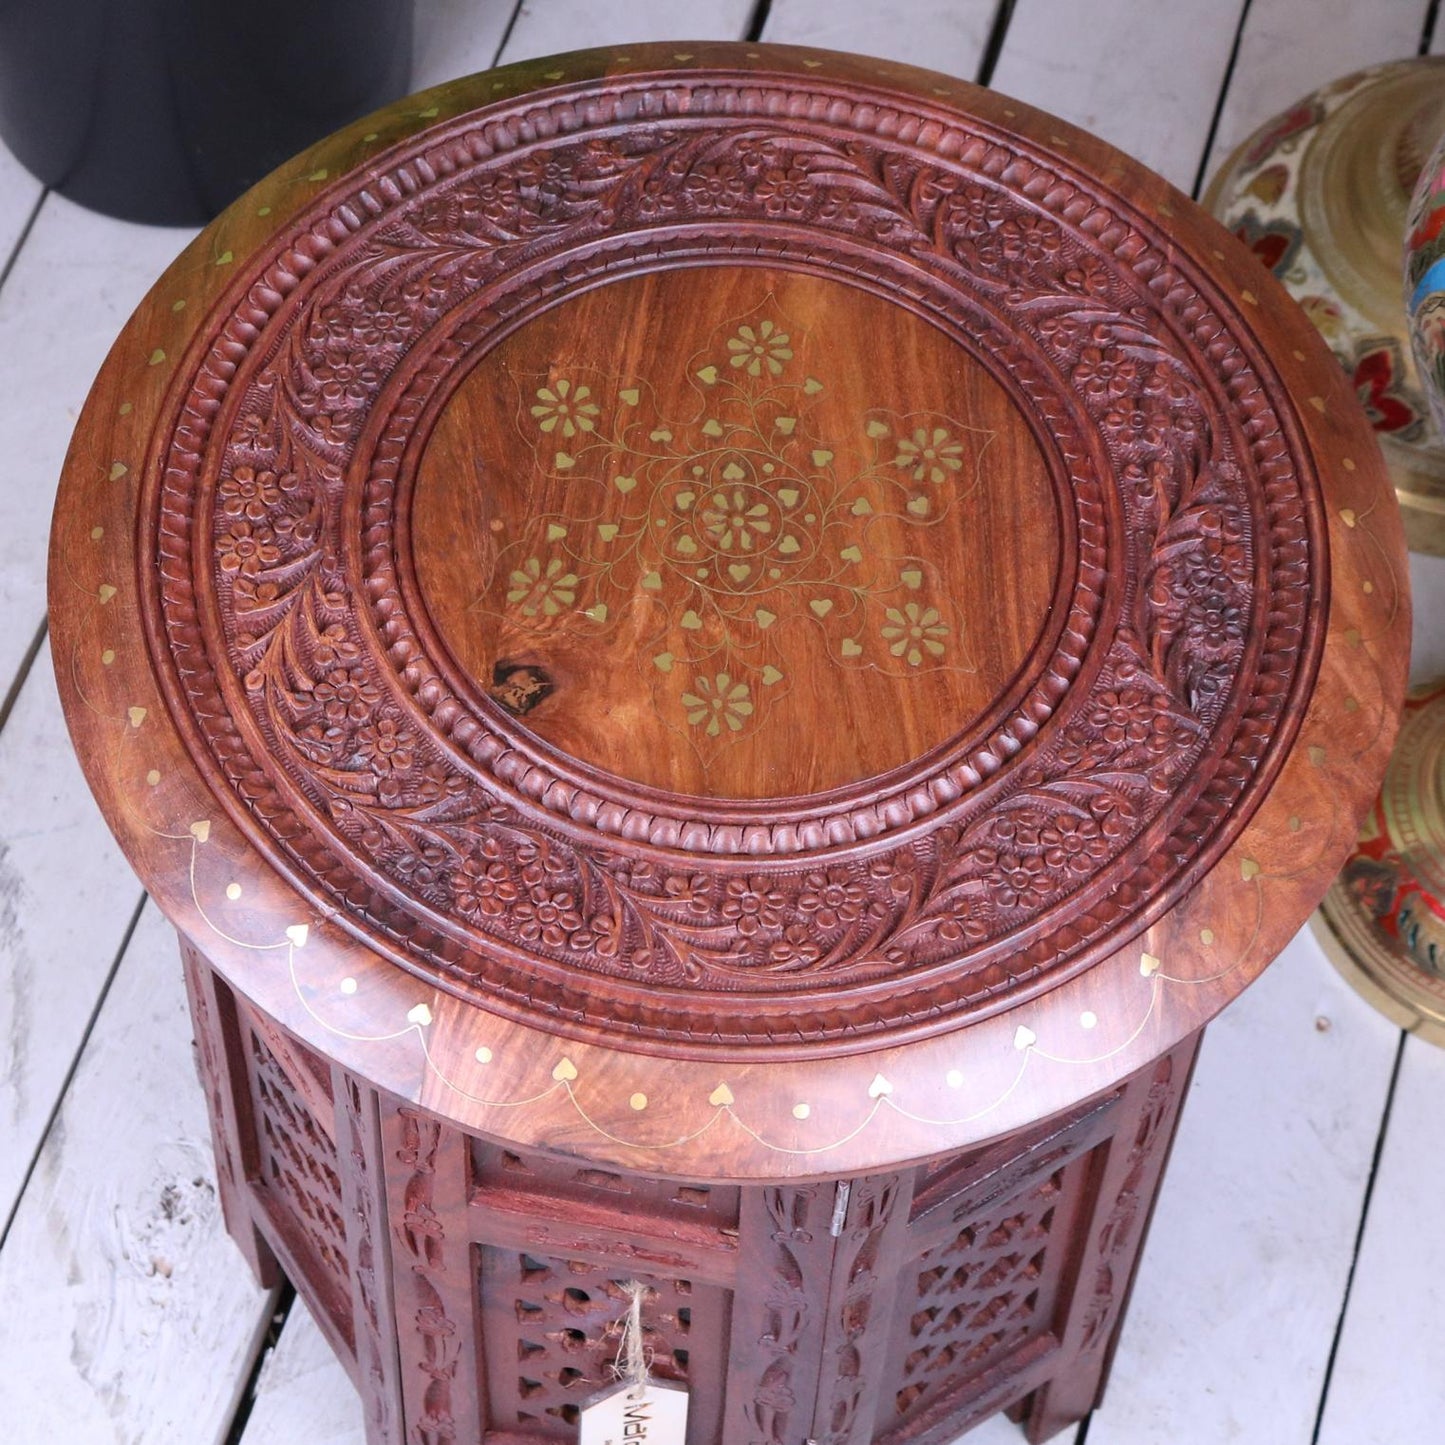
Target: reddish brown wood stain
point(890, 1307)
point(1157, 703)
point(574, 900)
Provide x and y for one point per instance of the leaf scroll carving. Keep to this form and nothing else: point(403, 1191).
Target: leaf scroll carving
point(353, 756)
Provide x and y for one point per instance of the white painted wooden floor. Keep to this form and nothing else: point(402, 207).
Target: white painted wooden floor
point(1294, 1290)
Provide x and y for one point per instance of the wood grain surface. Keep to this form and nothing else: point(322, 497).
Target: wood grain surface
point(722, 575)
point(1280, 818)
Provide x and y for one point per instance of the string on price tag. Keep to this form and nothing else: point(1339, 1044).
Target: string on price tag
point(638, 1410)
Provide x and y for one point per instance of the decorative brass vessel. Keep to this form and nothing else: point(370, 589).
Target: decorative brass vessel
point(1425, 280)
point(1383, 920)
point(1321, 194)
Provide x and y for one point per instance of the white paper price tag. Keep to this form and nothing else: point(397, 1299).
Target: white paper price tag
point(655, 1415)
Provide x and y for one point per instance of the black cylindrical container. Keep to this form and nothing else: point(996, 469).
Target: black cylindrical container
point(166, 110)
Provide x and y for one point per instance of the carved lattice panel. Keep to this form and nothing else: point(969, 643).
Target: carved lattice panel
point(298, 1168)
point(981, 1294)
point(552, 1333)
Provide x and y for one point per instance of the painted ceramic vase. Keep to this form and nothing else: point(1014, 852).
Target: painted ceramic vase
point(1383, 920)
point(1425, 280)
point(1321, 195)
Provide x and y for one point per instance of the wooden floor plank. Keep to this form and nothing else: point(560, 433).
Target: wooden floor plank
point(66, 898)
point(456, 37)
point(302, 1393)
point(1156, 104)
point(547, 27)
point(1388, 1386)
point(1230, 1328)
point(77, 278)
point(1288, 47)
point(1261, 1164)
point(19, 191)
point(946, 35)
point(126, 1314)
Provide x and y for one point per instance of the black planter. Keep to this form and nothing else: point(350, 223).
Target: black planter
point(166, 110)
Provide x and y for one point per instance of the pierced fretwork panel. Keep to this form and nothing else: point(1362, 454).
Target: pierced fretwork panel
point(984, 1291)
point(299, 1168)
point(552, 1332)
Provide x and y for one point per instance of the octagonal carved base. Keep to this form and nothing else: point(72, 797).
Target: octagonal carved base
point(475, 1291)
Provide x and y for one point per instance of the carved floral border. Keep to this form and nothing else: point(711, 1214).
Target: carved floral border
point(1158, 387)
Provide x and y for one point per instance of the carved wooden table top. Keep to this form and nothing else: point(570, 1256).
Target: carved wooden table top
point(735, 611)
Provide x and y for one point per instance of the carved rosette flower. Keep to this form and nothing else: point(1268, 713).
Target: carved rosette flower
point(784, 191)
point(832, 899)
point(249, 493)
point(752, 904)
point(1031, 240)
point(483, 889)
point(387, 323)
point(385, 747)
point(1137, 427)
point(494, 199)
point(1122, 716)
point(1073, 843)
point(345, 381)
point(247, 548)
point(1105, 375)
point(347, 694)
point(714, 188)
point(550, 918)
point(973, 212)
point(1018, 881)
point(1215, 627)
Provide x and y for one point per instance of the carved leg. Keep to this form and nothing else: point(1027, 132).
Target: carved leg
point(775, 1355)
point(432, 1278)
point(368, 1248)
point(872, 1228)
point(223, 1078)
point(1132, 1171)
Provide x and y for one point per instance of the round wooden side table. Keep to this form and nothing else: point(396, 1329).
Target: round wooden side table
point(720, 655)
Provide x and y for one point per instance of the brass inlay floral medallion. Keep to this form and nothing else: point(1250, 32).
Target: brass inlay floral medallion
point(775, 528)
point(1383, 920)
point(738, 520)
